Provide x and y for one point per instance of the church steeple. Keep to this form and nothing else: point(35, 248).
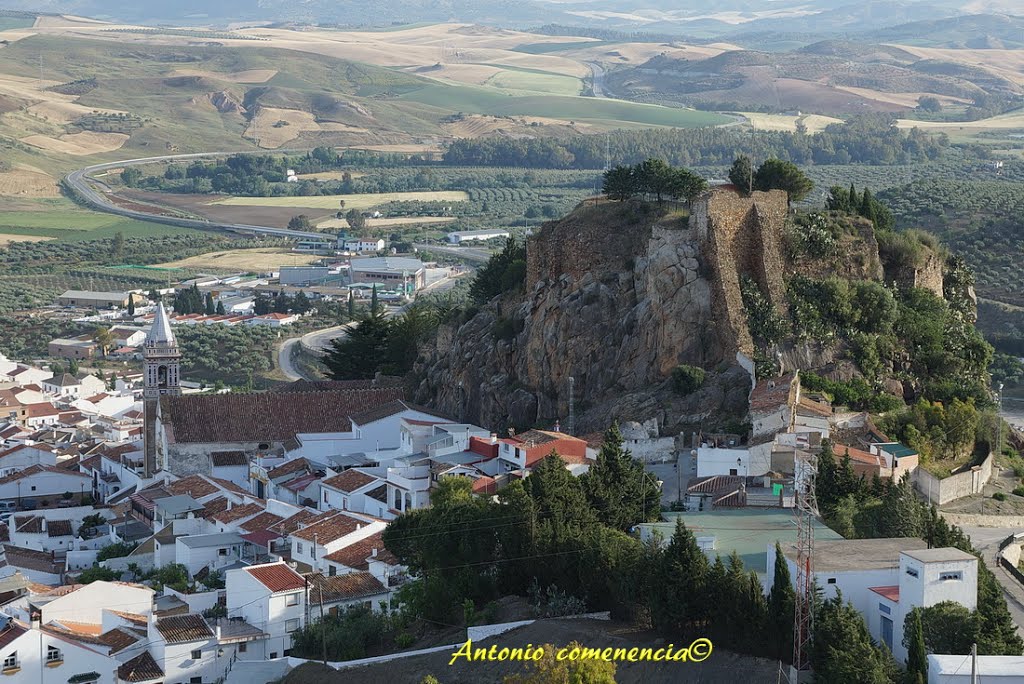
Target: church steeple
point(162, 358)
point(161, 377)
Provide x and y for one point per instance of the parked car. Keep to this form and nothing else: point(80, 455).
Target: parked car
point(29, 504)
point(8, 506)
point(66, 503)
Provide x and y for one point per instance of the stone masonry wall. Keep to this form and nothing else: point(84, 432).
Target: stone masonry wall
point(741, 235)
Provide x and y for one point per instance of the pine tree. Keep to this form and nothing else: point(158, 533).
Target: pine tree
point(220, 309)
point(742, 174)
point(781, 606)
point(619, 488)
point(679, 602)
point(917, 658)
point(209, 307)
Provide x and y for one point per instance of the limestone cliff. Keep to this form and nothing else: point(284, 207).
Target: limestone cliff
point(617, 295)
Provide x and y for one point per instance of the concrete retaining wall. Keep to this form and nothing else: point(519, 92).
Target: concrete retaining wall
point(954, 487)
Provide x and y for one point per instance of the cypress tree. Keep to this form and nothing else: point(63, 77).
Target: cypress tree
point(917, 658)
point(351, 306)
point(781, 606)
point(853, 200)
point(373, 300)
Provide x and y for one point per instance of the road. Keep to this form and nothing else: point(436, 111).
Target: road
point(474, 254)
point(986, 540)
point(80, 183)
point(597, 80)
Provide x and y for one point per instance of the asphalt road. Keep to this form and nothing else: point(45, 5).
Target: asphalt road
point(597, 81)
point(84, 188)
point(986, 540)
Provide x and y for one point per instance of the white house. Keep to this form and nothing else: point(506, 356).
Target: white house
point(31, 655)
point(327, 533)
point(73, 387)
point(340, 592)
point(884, 579)
point(459, 237)
point(212, 551)
point(362, 245)
point(185, 648)
point(272, 598)
point(86, 605)
point(23, 456)
point(42, 482)
point(346, 491)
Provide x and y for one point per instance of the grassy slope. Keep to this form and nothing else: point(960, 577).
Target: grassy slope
point(60, 219)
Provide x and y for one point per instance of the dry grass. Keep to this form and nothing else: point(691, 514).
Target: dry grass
point(330, 175)
point(8, 239)
point(79, 144)
point(1006, 63)
point(275, 127)
point(28, 183)
point(258, 259)
point(472, 74)
point(364, 201)
point(638, 53)
point(60, 112)
point(333, 224)
point(908, 100)
point(250, 76)
point(400, 148)
point(785, 122)
point(1010, 120)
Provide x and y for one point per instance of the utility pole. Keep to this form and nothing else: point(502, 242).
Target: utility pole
point(974, 663)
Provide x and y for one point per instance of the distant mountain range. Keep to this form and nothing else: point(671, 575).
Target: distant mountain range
point(900, 20)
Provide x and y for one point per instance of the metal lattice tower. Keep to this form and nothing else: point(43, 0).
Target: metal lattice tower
point(572, 407)
point(806, 512)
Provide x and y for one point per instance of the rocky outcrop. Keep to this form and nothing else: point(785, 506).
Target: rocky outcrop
point(617, 296)
point(225, 103)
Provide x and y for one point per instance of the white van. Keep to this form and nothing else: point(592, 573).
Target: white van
point(8, 506)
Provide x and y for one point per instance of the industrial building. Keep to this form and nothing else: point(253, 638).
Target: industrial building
point(395, 272)
point(460, 236)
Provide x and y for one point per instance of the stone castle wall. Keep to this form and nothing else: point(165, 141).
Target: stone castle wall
point(741, 236)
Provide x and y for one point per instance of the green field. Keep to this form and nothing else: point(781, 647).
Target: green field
point(8, 23)
point(62, 221)
point(535, 82)
point(364, 201)
point(476, 100)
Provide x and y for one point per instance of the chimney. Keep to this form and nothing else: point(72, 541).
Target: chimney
point(494, 438)
point(35, 621)
point(218, 631)
point(229, 504)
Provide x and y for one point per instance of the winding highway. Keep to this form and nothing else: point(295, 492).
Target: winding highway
point(82, 186)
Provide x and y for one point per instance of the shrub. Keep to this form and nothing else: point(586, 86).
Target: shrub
point(687, 379)
point(999, 496)
point(119, 550)
point(1019, 491)
point(404, 640)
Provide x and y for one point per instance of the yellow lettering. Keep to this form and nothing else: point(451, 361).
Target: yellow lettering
point(516, 654)
point(561, 655)
point(482, 654)
point(619, 654)
point(682, 654)
point(659, 655)
point(700, 650)
point(574, 654)
point(465, 651)
point(633, 653)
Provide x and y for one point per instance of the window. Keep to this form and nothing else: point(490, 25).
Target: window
point(222, 552)
point(831, 580)
point(325, 496)
point(291, 600)
point(11, 661)
point(332, 571)
point(243, 647)
point(196, 680)
point(197, 655)
point(273, 655)
point(912, 572)
point(33, 488)
point(53, 655)
point(882, 608)
point(950, 576)
point(291, 625)
point(298, 547)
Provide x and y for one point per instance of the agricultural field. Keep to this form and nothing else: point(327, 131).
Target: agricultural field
point(363, 201)
point(259, 259)
point(61, 220)
point(813, 123)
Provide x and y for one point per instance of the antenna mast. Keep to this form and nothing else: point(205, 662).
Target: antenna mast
point(572, 407)
point(806, 511)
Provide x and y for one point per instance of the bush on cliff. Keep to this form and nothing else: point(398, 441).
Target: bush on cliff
point(687, 379)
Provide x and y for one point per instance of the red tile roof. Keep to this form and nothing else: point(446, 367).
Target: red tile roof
point(481, 446)
point(179, 629)
point(267, 416)
point(277, 577)
point(394, 408)
point(330, 528)
point(214, 506)
point(228, 458)
point(841, 450)
point(141, 668)
point(119, 639)
point(261, 537)
point(289, 525)
point(892, 592)
point(349, 481)
point(343, 587)
point(299, 483)
point(237, 512)
point(195, 486)
point(32, 560)
point(296, 465)
point(771, 394)
point(59, 528)
point(263, 521)
point(485, 485)
point(11, 632)
point(356, 555)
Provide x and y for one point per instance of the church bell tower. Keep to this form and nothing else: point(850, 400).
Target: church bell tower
point(162, 377)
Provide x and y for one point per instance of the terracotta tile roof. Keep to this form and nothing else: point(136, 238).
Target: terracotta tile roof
point(86, 628)
point(263, 521)
point(481, 446)
point(179, 629)
point(714, 484)
point(771, 394)
point(349, 481)
point(330, 528)
point(11, 632)
point(379, 494)
point(289, 525)
point(356, 555)
point(141, 668)
point(277, 577)
point(394, 408)
point(131, 617)
point(5, 533)
point(353, 585)
point(892, 593)
point(267, 416)
point(238, 512)
point(841, 450)
point(299, 483)
point(28, 524)
point(814, 407)
point(214, 506)
point(35, 470)
point(335, 385)
point(32, 560)
point(261, 537)
point(228, 458)
point(485, 485)
point(296, 465)
point(195, 486)
point(229, 486)
point(59, 528)
point(119, 639)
